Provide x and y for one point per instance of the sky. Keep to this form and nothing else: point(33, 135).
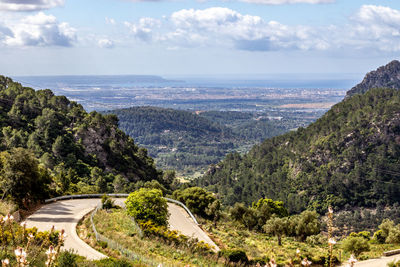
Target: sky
point(197, 37)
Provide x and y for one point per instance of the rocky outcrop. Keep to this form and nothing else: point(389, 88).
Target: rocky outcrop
point(384, 77)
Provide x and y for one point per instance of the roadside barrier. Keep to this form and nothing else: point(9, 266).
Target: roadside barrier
point(111, 243)
point(50, 200)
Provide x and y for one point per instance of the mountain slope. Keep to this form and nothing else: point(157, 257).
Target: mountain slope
point(74, 145)
point(384, 77)
point(190, 141)
point(349, 156)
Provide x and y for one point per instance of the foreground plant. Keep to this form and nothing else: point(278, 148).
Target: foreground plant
point(27, 244)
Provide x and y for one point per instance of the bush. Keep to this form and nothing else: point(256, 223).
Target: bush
point(355, 245)
point(379, 237)
point(386, 226)
point(67, 259)
point(394, 235)
point(148, 205)
point(107, 203)
point(316, 240)
point(102, 244)
point(198, 200)
point(111, 262)
point(234, 255)
point(364, 234)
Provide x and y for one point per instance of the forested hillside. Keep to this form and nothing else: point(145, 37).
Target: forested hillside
point(349, 156)
point(79, 151)
point(190, 141)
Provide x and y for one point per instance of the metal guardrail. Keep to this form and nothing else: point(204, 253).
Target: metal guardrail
point(391, 252)
point(54, 199)
point(183, 206)
point(111, 243)
point(117, 195)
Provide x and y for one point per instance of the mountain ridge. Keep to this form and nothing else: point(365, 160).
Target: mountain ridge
point(387, 76)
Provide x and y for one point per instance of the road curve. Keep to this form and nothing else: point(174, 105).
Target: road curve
point(381, 262)
point(67, 213)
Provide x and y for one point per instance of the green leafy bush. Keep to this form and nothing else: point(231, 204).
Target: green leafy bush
point(107, 203)
point(379, 237)
point(316, 240)
point(198, 200)
point(364, 234)
point(67, 259)
point(148, 205)
point(355, 245)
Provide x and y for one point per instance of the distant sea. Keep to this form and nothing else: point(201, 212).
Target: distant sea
point(105, 92)
point(345, 81)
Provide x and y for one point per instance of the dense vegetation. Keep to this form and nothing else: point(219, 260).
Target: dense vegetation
point(349, 156)
point(190, 141)
point(69, 150)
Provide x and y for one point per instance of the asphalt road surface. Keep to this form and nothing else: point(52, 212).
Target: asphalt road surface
point(67, 213)
point(381, 262)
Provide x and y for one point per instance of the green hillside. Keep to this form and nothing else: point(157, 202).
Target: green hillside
point(80, 151)
point(349, 156)
point(189, 141)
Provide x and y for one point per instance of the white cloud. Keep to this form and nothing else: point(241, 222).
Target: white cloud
point(110, 21)
point(282, 2)
point(375, 27)
point(224, 26)
point(143, 30)
point(105, 43)
point(29, 5)
point(40, 30)
point(372, 28)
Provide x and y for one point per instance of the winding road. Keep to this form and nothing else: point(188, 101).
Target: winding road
point(67, 213)
point(381, 262)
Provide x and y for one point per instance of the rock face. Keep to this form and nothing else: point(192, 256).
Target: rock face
point(384, 77)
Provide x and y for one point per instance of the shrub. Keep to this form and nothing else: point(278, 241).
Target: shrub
point(355, 244)
point(234, 255)
point(111, 262)
point(67, 259)
point(198, 200)
point(394, 235)
point(316, 240)
point(364, 234)
point(386, 226)
point(147, 205)
point(379, 237)
point(102, 244)
point(107, 203)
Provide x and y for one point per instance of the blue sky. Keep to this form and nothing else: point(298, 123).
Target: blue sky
point(197, 37)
